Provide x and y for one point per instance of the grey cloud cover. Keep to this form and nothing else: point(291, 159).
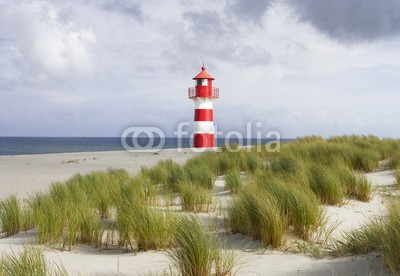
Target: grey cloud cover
point(351, 20)
point(248, 10)
point(94, 67)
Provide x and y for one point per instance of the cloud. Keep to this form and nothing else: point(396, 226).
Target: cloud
point(209, 35)
point(248, 10)
point(43, 44)
point(127, 7)
point(351, 20)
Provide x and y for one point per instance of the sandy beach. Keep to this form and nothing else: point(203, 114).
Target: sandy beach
point(23, 175)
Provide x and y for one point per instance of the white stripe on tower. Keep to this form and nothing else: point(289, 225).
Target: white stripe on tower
point(203, 103)
point(203, 127)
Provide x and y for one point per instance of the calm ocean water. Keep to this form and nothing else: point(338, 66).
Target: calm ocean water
point(43, 145)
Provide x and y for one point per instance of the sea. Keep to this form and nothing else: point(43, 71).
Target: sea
point(46, 145)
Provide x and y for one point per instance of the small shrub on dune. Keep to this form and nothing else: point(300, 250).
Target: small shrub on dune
point(29, 262)
point(10, 215)
point(195, 251)
point(233, 182)
point(195, 198)
point(326, 185)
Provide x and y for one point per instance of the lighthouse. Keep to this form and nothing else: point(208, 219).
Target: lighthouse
point(203, 95)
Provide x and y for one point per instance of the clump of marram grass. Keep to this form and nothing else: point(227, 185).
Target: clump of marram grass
point(391, 238)
point(145, 228)
point(201, 176)
point(381, 235)
point(361, 241)
point(363, 190)
point(326, 185)
point(29, 262)
point(233, 182)
point(10, 215)
point(176, 174)
point(227, 162)
point(197, 252)
point(364, 159)
point(296, 201)
point(195, 198)
point(250, 162)
point(257, 213)
point(287, 163)
point(397, 175)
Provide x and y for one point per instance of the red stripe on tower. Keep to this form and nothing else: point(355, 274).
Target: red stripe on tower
point(203, 115)
point(203, 95)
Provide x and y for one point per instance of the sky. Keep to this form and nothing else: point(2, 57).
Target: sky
point(299, 67)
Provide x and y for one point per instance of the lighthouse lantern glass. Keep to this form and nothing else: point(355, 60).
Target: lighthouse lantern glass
point(202, 82)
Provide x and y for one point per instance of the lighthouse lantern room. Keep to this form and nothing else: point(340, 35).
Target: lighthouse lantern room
point(203, 95)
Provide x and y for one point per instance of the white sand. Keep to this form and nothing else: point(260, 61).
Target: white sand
point(23, 175)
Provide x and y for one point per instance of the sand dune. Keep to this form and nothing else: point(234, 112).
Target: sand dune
point(23, 175)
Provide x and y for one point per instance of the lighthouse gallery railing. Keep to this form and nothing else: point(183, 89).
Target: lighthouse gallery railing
point(214, 93)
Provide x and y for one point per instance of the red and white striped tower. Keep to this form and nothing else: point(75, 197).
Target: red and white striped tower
point(203, 95)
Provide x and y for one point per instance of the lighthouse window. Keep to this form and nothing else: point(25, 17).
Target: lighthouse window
point(201, 82)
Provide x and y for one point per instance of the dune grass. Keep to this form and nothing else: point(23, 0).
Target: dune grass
point(381, 235)
point(257, 213)
point(233, 182)
point(195, 198)
point(196, 249)
point(29, 262)
point(397, 175)
point(296, 201)
point(391, 238)
point(10, 215)
point(144, 228)
point(197, 252)
point(361, 241)
point(326, 185)
point(284, 191)
point(363, 190)
point(201, 176)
